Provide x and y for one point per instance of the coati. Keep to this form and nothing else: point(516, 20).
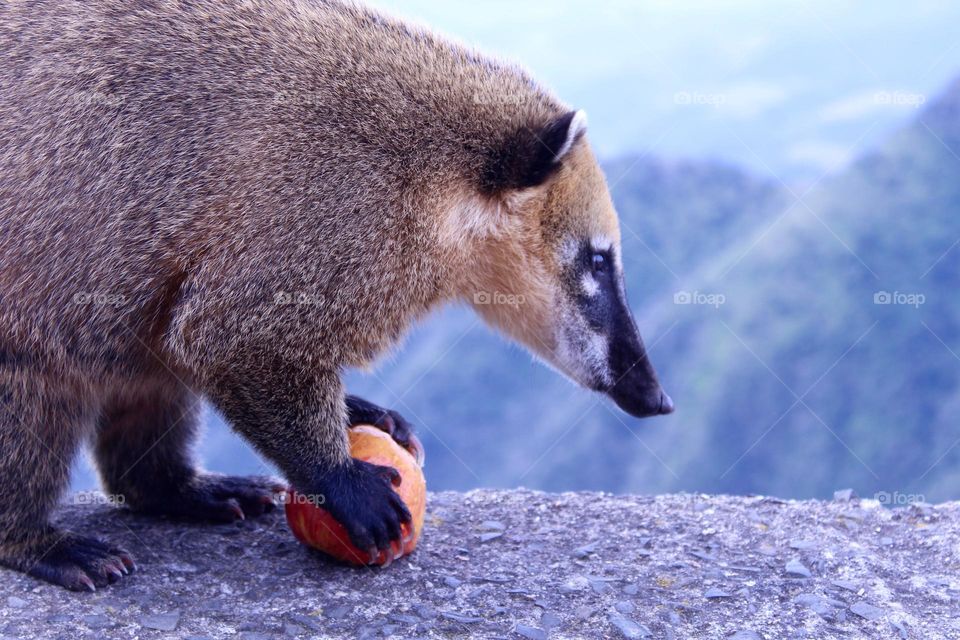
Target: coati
point(237, 200)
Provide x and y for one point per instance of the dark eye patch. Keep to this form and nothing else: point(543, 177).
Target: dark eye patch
point(599, 265)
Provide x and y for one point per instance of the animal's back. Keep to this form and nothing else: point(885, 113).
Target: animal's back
point(138, 140)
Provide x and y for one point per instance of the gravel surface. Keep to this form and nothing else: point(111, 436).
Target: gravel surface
point(522, 564)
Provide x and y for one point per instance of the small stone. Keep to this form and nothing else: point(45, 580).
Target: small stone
point(492, 525)
point(404, 618)
point(599, 586)
point(631, 589)
point(305, 621)
point(336, 613)
point(630, 629)
point(866, 611)
point(550, 620)
point(425, 611)
point(844, 495)
point(797, 568)
point(293, 629)
point(745, 634)
point(845, 584)
point(388, 630)
point(162, 621)
point(487, 537)
point(714, 592)
point(584, 612)
point(886, 542)
point(16, 603)
point(815, 603)
point(98, 621)
point(451, 582)
point(624, 607)
point(533, 633)
point(703, 556)
point(900, 628)
point(803, 545)
point(459, 617)
point(585, 550)
point(574, 584)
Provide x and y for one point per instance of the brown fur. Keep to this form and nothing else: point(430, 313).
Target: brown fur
point(255, 195)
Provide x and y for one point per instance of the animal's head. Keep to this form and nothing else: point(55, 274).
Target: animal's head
point(548, 268)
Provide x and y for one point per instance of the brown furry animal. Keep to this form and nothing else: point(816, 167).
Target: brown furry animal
point(238, 199)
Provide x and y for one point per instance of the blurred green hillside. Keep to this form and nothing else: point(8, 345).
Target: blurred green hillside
point(796, 385)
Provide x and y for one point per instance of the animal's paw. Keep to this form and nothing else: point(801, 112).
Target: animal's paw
point(217, 498)
point(363, 412)
point(360, 496)
point(76, 562)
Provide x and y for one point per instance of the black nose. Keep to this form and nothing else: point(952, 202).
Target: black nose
point(641, 403)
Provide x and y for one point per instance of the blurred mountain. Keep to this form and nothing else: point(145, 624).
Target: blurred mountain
point(797, 384)
point(789, 378)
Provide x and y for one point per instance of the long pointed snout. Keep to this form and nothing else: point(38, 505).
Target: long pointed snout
point(636, 388)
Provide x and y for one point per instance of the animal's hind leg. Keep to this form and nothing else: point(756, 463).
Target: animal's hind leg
point(41, 428)
point(143, 453)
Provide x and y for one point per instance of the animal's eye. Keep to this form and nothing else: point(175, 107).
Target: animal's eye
point(599, 263)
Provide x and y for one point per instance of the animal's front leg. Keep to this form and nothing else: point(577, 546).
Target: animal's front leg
point(360, 411)
point(296, 419)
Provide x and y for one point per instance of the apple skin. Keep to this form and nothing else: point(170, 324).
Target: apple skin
point(315, 527)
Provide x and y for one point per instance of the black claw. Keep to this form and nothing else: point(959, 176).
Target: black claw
point(361, 497)
point(215, 498)
point(364, 412)
point(79, 564)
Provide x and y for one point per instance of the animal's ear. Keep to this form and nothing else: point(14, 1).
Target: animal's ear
point(529, 157)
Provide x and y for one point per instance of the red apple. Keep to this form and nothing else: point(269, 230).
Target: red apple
point(314, 526)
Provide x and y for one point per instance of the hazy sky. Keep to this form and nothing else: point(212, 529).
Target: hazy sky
point(790, 88)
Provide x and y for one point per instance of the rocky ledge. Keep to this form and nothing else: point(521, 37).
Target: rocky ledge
point(522, 564)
